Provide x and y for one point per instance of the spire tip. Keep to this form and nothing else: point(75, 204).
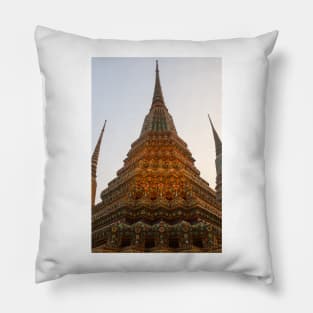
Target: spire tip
point(217, 140)
point(157, 95)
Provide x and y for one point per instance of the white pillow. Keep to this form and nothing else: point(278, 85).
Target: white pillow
point(159, 202)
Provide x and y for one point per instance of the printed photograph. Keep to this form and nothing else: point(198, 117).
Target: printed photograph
point(156, 155)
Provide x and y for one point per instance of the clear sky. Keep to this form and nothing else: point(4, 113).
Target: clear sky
point(122, 90)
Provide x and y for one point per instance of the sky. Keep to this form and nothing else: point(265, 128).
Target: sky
point(122, 90)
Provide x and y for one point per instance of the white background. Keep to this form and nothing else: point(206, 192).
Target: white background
point(289, 156)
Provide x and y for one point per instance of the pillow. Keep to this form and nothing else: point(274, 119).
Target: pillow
point(136, 133)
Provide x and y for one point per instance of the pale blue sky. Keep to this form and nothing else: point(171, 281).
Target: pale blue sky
point(122, 90)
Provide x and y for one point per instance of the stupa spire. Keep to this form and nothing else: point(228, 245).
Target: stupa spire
point(94, 164)
point(217, 140)
point(158, 118)
point(157, 95)
point(218, 162)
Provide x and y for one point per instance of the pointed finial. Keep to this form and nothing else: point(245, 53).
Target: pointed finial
point(217, 140)
point(218, 162)
point(94, 164)
point(157, 95)
point(103, 128)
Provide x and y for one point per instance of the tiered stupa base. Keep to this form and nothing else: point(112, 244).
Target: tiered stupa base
point(138, 229)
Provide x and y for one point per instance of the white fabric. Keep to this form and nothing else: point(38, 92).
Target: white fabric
point(65, 240)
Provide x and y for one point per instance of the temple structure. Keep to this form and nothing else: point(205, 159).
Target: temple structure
point(158, 202)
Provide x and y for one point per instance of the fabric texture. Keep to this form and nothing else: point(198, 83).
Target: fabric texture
point(65, 237)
